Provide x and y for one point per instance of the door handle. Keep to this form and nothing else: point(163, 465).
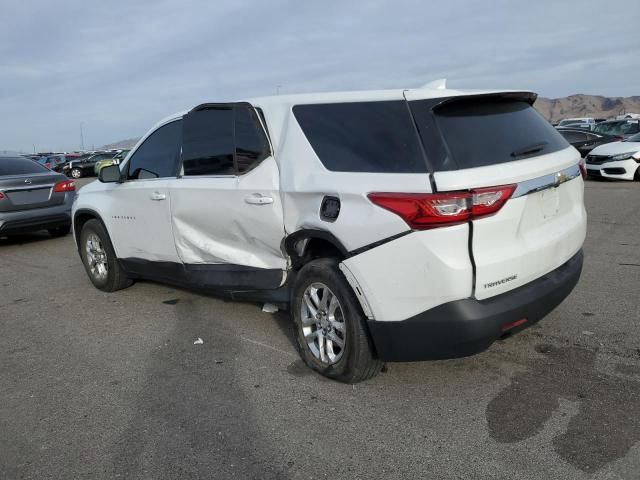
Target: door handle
point(257, 199)
point(158, 196)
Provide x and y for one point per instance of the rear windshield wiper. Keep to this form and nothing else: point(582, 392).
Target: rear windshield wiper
point(536, 147)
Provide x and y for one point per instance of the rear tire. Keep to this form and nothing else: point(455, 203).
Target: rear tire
point(337, 343)
point(99, 258)
point(60, 231)
point(76, 173)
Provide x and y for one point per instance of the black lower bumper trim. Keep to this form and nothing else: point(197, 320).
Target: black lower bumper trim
point(26, 225)
point(469, 326)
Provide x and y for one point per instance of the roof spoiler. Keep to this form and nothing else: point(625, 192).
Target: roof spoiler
point(528, 97)
point(439, 84)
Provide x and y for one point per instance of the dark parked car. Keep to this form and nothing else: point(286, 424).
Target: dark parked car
point(84, 167)
point(33, 198)
point(585, 140)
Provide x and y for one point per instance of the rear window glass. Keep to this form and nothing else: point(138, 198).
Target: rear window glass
point(481, 132)
point(362, 136)
point(19, 166)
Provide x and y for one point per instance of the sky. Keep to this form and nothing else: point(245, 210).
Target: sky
point(118, 67)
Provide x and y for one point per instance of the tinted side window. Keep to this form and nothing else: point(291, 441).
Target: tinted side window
point(207, 147)
point(573, 137)
point(251, 143)
point(158, 156)
point(363, 136)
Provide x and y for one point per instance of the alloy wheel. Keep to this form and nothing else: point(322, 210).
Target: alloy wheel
point(96, 257)
point(323, 324)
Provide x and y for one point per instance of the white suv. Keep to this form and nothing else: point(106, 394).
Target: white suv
point(398, 225)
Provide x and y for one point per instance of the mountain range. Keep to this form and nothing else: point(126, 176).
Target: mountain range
point(555, 109)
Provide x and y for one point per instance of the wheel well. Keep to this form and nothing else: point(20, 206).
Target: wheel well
point(78, 222)
point(302, 248)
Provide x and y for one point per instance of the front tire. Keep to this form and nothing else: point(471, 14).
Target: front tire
point(636, 177)
point(330, 328)
point(99, 258)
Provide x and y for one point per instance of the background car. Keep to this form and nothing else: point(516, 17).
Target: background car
point(33, 198)
point(586, 122)
point(53, 162)
point(115, 160)
point(618, 160)
point(585, 141)
point(619, 128)
point(84, 167)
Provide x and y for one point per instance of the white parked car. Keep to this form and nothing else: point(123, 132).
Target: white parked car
point(396, 225)
point(619, 160)
point(580, 122)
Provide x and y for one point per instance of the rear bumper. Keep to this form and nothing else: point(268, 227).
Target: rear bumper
point(465, 327)
point(37, 219)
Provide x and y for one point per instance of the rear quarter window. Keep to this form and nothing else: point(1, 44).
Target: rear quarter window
point(376, 137)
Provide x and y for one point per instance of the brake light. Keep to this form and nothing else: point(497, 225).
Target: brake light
point(1, 195)
point(583, 168)
point(422, 211)
point(65, 186)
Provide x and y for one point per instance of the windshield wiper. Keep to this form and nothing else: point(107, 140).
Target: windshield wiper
point(536, 147)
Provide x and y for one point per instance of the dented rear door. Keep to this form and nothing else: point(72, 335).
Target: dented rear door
point(226, 210)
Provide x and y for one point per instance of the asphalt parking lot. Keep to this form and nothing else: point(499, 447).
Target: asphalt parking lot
point(96, 385)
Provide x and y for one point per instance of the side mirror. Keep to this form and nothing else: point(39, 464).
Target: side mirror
point(109, 174)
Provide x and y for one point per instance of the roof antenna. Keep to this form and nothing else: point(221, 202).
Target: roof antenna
point(440, 84)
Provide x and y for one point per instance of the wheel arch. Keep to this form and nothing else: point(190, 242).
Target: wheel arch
point(307, 244)
point(82, 216)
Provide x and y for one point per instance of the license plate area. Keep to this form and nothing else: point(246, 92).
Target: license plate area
point(29, 197)
point(549, 203)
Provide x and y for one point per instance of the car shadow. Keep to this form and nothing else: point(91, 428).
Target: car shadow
point(193, 416)
point(24, 239)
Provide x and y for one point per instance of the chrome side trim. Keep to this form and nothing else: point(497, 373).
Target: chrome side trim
point(547, 181)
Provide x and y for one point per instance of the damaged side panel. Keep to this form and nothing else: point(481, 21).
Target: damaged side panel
point(235, 220)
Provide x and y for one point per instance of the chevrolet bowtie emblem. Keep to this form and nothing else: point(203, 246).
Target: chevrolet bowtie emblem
point(560, 178)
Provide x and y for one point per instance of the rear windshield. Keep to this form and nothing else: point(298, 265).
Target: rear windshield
point(19, 166)
point(363, 136)
point(485, 131)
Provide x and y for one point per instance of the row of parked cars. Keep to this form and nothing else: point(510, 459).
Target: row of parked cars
point(611, 148)
point(78, 165)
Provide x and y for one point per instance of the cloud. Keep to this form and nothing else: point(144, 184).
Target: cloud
point(119, 66)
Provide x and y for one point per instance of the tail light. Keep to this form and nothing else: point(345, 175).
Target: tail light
point(583, 168)
point(1, 195)
point(422, 211)
point(65, 186)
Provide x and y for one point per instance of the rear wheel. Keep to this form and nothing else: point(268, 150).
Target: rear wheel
point(60, 231)
point(331, 332)
point(76, 173)
point(99, 258)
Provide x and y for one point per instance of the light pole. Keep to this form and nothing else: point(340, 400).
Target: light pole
point(81, 137)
